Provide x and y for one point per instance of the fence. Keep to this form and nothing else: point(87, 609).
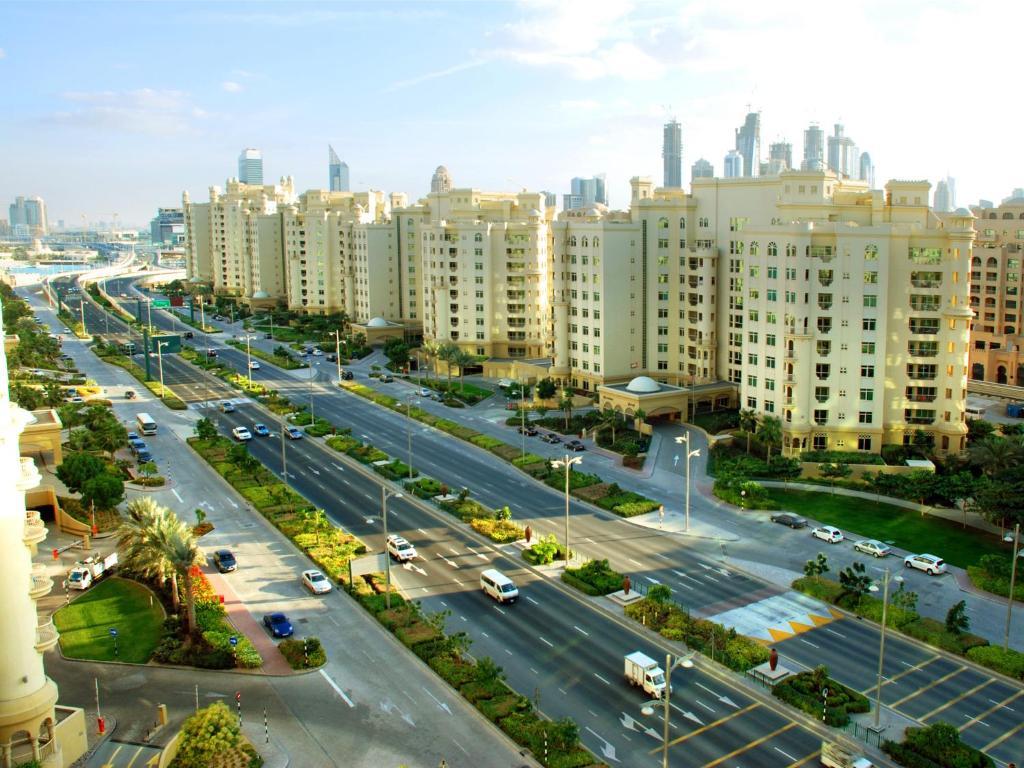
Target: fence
point(865, 733)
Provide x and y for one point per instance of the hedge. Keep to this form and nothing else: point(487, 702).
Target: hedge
point(803, 691)
point(594, 578)
point(935, 746)
point(1009, 662)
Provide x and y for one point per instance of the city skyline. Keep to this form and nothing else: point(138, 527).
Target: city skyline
point(607, 84)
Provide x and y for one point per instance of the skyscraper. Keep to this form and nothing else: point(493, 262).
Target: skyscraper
point(702, 169)
point(337, 171)
point(585, 192)
point(780, 154)
point(945, 195)
point(734, 165)
point(441, 181)
point(250, 166)
point(168, 227)
point(672, 152)
point(843, 157)
point(748, 143)
point(28, 217)
point(867, 170)
point(814, 149)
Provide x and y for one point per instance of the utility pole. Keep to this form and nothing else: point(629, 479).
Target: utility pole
point(337, 352)
point(1013, 580)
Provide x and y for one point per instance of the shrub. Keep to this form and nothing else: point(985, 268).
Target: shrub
point(424, 488)
point(1009, 661)
point(804, 691)
point(544, 551)
point(304, 653)
point(208, 734)
point(935, 745)
point(594, 578)
point(501, 531)
point(935, 633)
point(486, 441)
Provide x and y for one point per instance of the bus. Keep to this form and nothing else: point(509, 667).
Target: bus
point(146, 424)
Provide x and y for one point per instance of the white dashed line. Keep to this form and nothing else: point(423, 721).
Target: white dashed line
point(601, 679)
point(808, 642)
point(581, 631)
point(547, 642)
point(532, 600)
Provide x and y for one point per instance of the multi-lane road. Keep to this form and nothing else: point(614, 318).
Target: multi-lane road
point(918, 684)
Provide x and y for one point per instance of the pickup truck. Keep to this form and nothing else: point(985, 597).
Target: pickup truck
point(91, 569)
point(643, 671)
point(835, 756)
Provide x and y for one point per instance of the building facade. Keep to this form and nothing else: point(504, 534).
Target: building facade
point(733, 165)
point(996, 336)
point(702, 169)
point(814, 149)
point(168, 227)
point(28, 217)
point(337, 172)
point(250, 166)
point(672, 155)
point(748, 143)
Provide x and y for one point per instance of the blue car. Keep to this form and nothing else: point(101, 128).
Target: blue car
point(261, 430)
point(294, 433)
point(137, 445)
point(133, 436)
point(278, 625)
point(144, 456)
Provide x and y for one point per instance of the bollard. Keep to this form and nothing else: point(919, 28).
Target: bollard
point(56, 554)
point(102, 725)
point(161, 714)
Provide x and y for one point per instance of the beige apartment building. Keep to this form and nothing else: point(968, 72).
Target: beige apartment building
point(840, 309)
point(996, 335)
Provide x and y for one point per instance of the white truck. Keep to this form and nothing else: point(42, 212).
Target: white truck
point(90, 570)
point(836, 756)
point(644, 672)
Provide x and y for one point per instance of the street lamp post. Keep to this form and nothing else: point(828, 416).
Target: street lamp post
point(567, 462)
point(248, 357)
point(284, 456)
point(686, 662)
point(522, 411)
point(408, 430)
point(337, 352)
point(160, 362)
point(312, 413)
point(881, 643)
point(685, 440)
point(1013, 579)
point(81, 306)
point(385, 494)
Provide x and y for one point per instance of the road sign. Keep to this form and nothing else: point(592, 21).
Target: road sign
point(113, 632)
point(233, 640)
point(161, 303)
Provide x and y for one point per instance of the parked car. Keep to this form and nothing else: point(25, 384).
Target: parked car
point(293, 433)
point(225, 561)
point(254, 365)
point(347, 375)
point(575, 445)
point(316, 582)
point(241, 434)
point(873, 547)
point(551, 437)
point(189, 335)
point(331, 358)
point(129, 394)
point(226, 406)
point(424, 392)
point(133, 436)
point(527, 430)
point(930, 564)
point(278, 625)
point(791, 520)
point(828, 533)
point(136, 444)
point(386, 378)
point(144, 456)
point(261, 430)
point(211, 353)
point(268, 335)
point(400, 549)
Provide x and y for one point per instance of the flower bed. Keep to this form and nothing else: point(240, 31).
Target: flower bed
point(500, 531)
point(594, 578)
point(804, 691)
point(307, 653)
point(933, 746)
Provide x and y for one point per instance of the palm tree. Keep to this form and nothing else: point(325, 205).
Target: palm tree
point(748, 423)
point(142, 538)
point(463, 360)
point(995, 454)
point(430, 350)
point(770, 432)
point(609, 420)
point(640, 415)
point(566, 405)
point(446, 353)
point(182, 553)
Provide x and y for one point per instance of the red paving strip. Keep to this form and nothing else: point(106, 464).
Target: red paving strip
point(273, 662)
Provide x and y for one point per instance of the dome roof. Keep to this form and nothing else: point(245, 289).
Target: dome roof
point(534, 212)
point(378, 322)
point(261, 295)
point(643, 385)
point(441, 171)
point(962, 212)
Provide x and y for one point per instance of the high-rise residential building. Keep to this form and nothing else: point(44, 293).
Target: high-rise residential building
point(780, 157)
point(5, 228)
point(441, 181)
point(585, 193)
point(843, 156)
point(814, 149)
point(672, 154)
point(1017, 194)
point(945, 195)
point(168, 227)
point(748, 143)
point(733, 165)
point(250, 166)
point(867, 170)
point(702, 169)
point(550, 199)
point(28, 217)
point(337, 172)
point(996, 279)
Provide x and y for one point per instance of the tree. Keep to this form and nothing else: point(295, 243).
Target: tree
point(958, 489)
point(833, 471)
point(816, 568)
point(487, 671)
point(904, 599)
point(148, 468)
point(239, 455)
point(205, 429)
point(429, 350)
point(920, 484)
point(546, 388)
point(446, 353)
point(182, 553)
point(397, 351)
point(957, 620)
point(609, 420)
point(207, 735)
point(141, 538)
point(923, 441)
point(463, 360)
point(109, 436)
point(748, 423)
point(979, 429)
point(770, 433)
point(993, 455)
point(104, 490)
point(78, 467)
point(855, 582)
point(566, 405)
point(29, 398)
point(640, 415)
point(660, 593)
point(785, 467)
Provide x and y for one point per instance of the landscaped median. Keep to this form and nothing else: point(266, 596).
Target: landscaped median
point(108, 354)
point(281, 359)
point(583, 485)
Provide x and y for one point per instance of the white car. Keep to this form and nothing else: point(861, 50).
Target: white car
point(424, 392)
point(873, 547)
point(930, 564)
point(317, 352)
point(254, 365)
point(242, 433)
point(400, 549)
point(316, 582)
point(828, 533)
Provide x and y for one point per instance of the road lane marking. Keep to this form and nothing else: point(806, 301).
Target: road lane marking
point(337, 689)
point(990, 710)
point(995, 743)
point(833, 632)
point(422, 531)
point(808, 642)
point(534, 671)
point(786, 754)
point(652, 580)
point(177, 495)
point(339, 467)
point(928, 687)
point(485, 635)
point(714, 724)
point(685, 586)
point(506, 650)
point(910, 668)
point(546, 642)
point(663, 557)
point(1002, 705)
point(750, 745)
point(499, 610)
point(562, 691)
point(637, 563)
point(581, 631)
point(601, 679)
point(709, 709)
point(532, 600)
point(956, 699)
point(803, 761)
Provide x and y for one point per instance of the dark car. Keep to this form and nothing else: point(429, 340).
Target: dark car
point(550, 437)
point(137, 444)
point(531, 431)
point(278, 625)
point(268, 335)
point(144, 456)
point(129, 394)
point(332, 358)
point(347, 375)
point(575, 445)
point(294, 433)
point(189, 335)
point(261, 430)
point(225, 561)
point(386, 378)
point(133, 436)
point(211, 353)
point(791, 520)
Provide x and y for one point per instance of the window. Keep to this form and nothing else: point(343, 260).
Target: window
point(769, 362)
point(867, 371)
point(821, 370)
point(773, 273)
point(820, 416)
point(769, 339)
point(863, 443)
point(864, 417)
point(868, 324)
point(871, 278)
point(870, 300)
point(771, 294)
point(867, 347)
point(821, 394)
point(751, 381)
point(871, 253)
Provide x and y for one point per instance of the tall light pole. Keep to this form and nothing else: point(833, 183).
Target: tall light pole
point(284, 455)
point(385, 494)
point(312, 413)
point(160, 362)
point(1013, 579)
point(686, 662)
point(408, 430)
point(567, 462)
point(881, 643)
point(81, 306)
point(248, 357)
point(522, 410)
point(685, 440)
point(337, 352)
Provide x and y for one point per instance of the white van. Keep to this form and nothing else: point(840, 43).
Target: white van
point(499, 586)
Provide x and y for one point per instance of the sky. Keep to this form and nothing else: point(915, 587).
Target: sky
point(118, 107)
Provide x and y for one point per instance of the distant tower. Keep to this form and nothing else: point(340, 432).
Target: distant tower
point(814, 149)
point(733, 165)
point(748, 143)
point(672, 152)
point(842, 153)
point(867, 170)
point(441, 180)
point(250, 166)
point(337, 171)
point(945, 195)
point(780, 157)
point(702, 169)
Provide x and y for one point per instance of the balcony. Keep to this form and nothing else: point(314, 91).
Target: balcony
point(927, 395)
point(46, 636)
point(825, 281)
point(919, 419)
point(35, 529)
point(695, 282)
point(29, 477)
point(929, 330)
point(453, 280)
point(41, 583)
point(824, 303)
point(453, 295)
point(919, 283)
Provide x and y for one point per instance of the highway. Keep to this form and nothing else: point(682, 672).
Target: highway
point(981, 704)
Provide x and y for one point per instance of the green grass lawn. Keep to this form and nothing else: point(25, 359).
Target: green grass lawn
point(902, 528)
point(85, 624)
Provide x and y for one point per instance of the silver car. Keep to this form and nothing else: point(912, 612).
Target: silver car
point(316, 582)
point(873, 547)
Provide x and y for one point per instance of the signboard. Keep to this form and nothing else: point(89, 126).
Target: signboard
point(161, 303)
point(368, 564)
point(171, 343)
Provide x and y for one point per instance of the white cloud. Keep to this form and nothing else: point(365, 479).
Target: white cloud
point(313, 17)
point(579, 105)
point(3, 53)
point(231, 87)
point(416, 80)
point(144, 110)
